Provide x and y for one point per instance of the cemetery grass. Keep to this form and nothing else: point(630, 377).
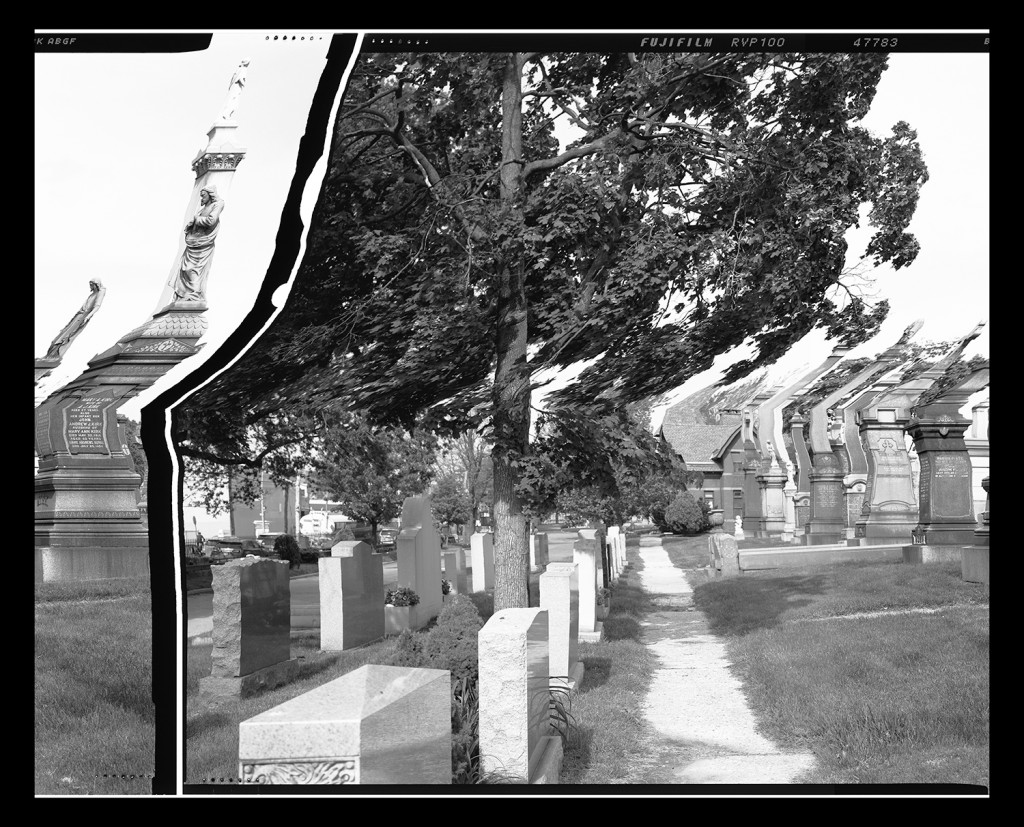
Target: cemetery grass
point(94, 716)
point(898, 698)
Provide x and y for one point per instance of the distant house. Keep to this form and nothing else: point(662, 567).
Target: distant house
point(705, 429)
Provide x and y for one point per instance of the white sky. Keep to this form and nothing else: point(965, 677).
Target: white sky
point(115, 136)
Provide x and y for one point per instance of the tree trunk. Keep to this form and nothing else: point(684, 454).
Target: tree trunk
point(511, 395)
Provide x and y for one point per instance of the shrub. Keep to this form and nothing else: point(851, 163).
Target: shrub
point(408, 651)
point(684, 515)
point(452, 643)
point(446, 587)
point(287, 548)
point(402, 596)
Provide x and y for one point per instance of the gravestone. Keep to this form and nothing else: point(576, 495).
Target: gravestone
point(772, 480)
point(351, 594)
point(87, 521)
point(947, 522)
point(560, 598)
point(374, 725)
point(516, 738)
point(455, 570)
point(614, 532)
point(586, 555)
point(419, 560)
point(251, 629)
point(974, 560)
point(724, 554)
point(482, 561)
point(538, 551)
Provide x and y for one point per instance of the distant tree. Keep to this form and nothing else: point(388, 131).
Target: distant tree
point(684, 515)
point(370, 470)
point(450, 501)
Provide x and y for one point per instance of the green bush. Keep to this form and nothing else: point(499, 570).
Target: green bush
point(684, 515)
point(452, 643)
point(287, 548)
point(408, 651)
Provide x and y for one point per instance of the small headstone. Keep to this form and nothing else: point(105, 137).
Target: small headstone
point(586, 556)
point(560, 597)
point(374, 725)
point(455, 570)
point(516, 740)
point(538, 551)
point(419, 558)
point(482, 557)
point(251, 629)
point(724, 554)
point(351, 585)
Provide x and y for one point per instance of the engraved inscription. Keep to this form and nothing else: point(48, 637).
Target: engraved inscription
point(84, 426)
point(43, 445)
point(826, 496)
point(951, 486)
point(336, 771)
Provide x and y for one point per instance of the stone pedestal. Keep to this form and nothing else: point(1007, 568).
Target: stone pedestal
point(827, 523)
point(516, 739)
point(455, 570)
point(947, 502)
point(351, 589)
point(251, 629)
point(771, 482)
point(889, 513)
point(482, 561)
point(560, 598)
point(789, 508)
point(375, 725)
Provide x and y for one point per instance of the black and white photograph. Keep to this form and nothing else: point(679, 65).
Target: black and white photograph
point(604, 412)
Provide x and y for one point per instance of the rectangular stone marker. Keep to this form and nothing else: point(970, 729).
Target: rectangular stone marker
point(482, 557)
point(251, 628)
point(455, 570)
point(613, 551)
point(724, 554)
point(375, 725)
point(560, 597)
point(351, 603)
point(419, 558)
point(538, 551)
point(586, 555)
point(516, 740)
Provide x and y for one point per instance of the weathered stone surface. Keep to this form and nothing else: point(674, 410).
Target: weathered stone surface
point(974, 564)
point(538, 550)
point(419, 556)
point(920, 553)
point(455, 570)
point(560, 597)
point(375, 725)
point(482, 557)
point(251, 616)
point(215, 689)
point(724, 553)
point(585, 556)
point(755, 559)
point(514, 693)
point(351, 589)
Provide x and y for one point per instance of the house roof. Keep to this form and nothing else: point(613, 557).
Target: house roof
point(696, 441)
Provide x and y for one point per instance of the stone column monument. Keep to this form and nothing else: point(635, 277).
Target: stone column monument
point(890, 510)
point(946, 501)
point(87, 521)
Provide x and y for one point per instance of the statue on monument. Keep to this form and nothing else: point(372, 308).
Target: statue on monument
point(773, 459)
point(58, 347)
point(200, 232)
point(235, 88)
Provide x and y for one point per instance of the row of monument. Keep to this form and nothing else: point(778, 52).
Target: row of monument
point(855, 481)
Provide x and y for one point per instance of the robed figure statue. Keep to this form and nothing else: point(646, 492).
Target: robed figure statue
point(200, 232)
point(59, 346)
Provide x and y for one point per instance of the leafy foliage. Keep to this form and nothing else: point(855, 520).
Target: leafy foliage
point(684, 515)
point(450, 502)
point(401, 596)
point(287, 548)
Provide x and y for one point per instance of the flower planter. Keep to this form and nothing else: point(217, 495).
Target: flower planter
point(399, 618)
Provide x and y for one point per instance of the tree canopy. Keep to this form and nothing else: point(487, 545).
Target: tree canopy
point(463, 243)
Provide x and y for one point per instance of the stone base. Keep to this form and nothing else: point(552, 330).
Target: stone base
point(932, 554)
point(84, 563)
point(753, 559)
point(824, 538)
point(974, 564)
point(549, 764)
point(221, 690)
point(570, 685)
point(399, 618)
point(592, 637)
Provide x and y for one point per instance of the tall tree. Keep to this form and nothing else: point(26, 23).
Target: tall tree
point(459, 248)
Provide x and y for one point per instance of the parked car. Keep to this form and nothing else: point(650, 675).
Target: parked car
point(387, 539)
point(223, 548)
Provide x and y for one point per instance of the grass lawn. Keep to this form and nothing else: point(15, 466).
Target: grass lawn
point(899, 698)
point(94, 717)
